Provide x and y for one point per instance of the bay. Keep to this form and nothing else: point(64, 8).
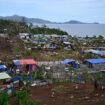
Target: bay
point(79, 29)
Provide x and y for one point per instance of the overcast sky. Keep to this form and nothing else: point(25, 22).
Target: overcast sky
point(56, 10)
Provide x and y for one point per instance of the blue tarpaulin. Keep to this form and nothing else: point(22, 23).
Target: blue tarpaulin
point(2, 67)
point(16, 78)
point(30, 67)
point(96, 52)
point(16, 62)
point(67, 61)
point(95, 61)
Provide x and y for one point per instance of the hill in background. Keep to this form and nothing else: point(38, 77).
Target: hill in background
point(41, 21)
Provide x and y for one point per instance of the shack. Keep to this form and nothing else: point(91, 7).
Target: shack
point(2, 68)
point(4, 78)
point(97, 64)
point(71, 62)
point(25, 64)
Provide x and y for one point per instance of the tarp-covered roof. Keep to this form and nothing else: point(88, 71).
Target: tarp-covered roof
point(2, 67)
point(96, 52)
point(4, 75)
point(67, 61)
point(24, 61)
point(95, 61)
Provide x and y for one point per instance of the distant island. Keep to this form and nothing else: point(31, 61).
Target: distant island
point(40, 21)
point(78, 22)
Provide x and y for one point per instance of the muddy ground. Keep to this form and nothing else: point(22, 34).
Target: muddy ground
point(69, 94)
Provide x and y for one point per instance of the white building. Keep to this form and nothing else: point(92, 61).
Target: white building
point(24, 36)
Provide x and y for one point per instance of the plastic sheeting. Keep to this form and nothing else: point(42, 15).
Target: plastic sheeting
point(2, 67)
point(95, 61)
point(24, 61)
point(16, 78)
point(4, 75)
point(67, 61)
point(96, 52)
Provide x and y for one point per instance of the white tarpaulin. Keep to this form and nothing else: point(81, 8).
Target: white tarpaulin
point(4, 75)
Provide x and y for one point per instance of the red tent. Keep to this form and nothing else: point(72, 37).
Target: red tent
point(27, 61)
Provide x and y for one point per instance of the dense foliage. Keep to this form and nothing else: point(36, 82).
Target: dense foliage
point(13, 28)
point(45, 30)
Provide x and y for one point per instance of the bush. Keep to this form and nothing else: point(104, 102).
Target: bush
point(24, 99)
point(4, 98)
point(27, 52)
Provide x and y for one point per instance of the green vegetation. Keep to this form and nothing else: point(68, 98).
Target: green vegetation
point(98, 76)
point(39, 74)
point(23, 98)
point(27, 52)
point(45, 30)
point(4, 98)
point(13, 28)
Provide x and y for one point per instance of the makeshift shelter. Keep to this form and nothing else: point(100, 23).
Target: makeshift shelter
point(30, 64)
point(98, 52)
point(4, 75)
point(2, 67)
point(66, 44)
point(98, 63)
point(70, 61)
point(53, 45)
